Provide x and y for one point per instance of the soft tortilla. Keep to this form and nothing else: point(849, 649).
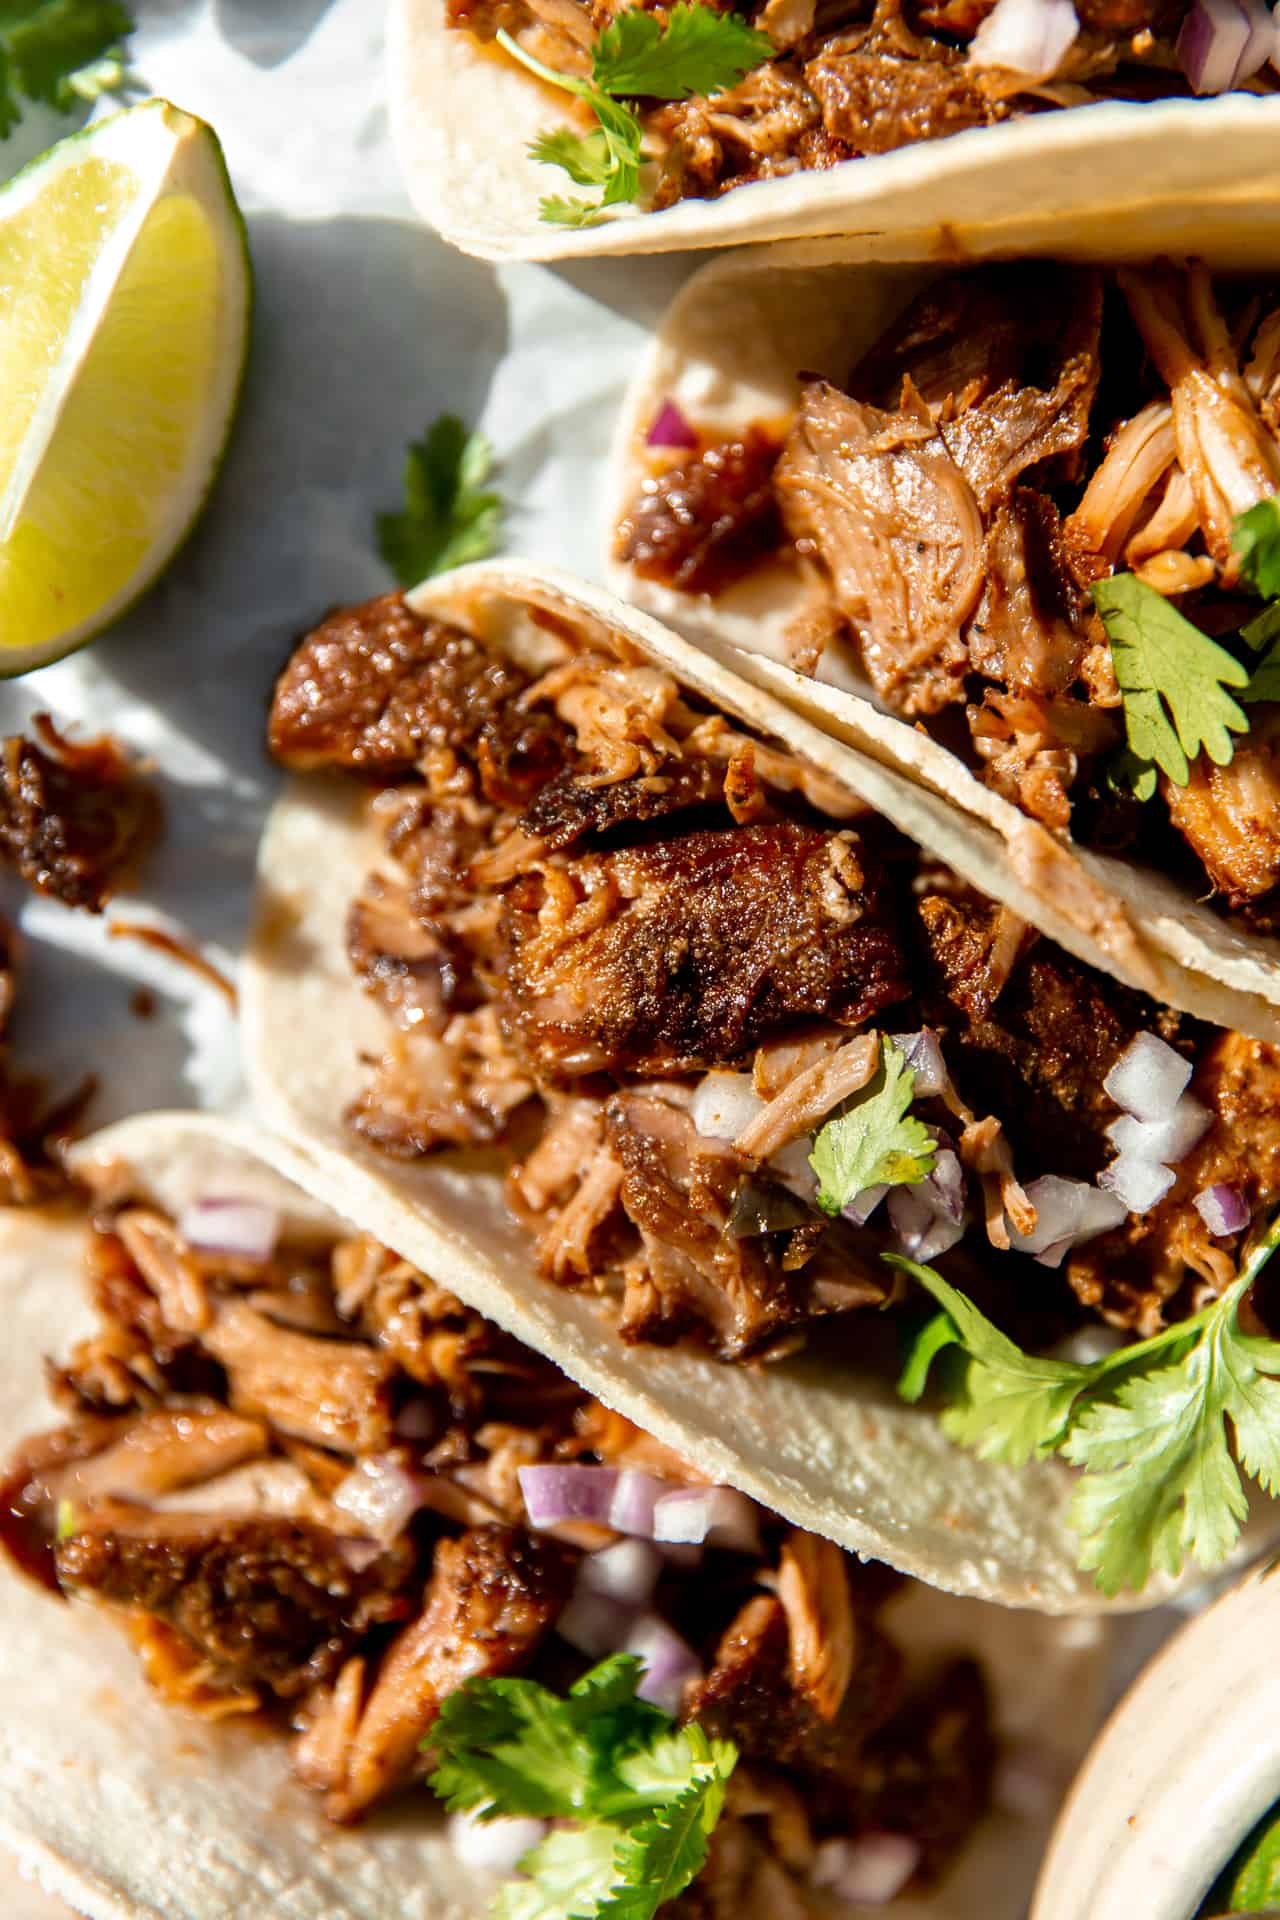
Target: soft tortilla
point(463, 115)
point(729, 350)
point(822, 1440)
point(132, 1811)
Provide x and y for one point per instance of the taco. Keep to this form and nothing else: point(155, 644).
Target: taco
point(699, 126)
point(1059, 600)
point(302, 1528)
point(657, 1017)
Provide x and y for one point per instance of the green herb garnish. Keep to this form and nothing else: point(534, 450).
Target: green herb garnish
point(59, 53)
point(644, 1794)
point(697, 51)
point(1148, 1425)
point(448, 516)
point(871, 1142)
point(1251, 1883)
point(1256, 538)
point(1173, 680)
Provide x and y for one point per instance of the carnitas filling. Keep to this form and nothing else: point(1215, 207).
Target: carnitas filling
point(309, 1483)
point(1018, 435)
point(859, 77)
point(679, 975)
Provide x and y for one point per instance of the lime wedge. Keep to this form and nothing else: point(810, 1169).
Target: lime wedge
point(125, 293)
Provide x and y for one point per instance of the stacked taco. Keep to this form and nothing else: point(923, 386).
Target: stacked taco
point(311, 1529)
point(749, 1077)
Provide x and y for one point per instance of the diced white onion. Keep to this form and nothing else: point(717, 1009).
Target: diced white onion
point(1086, 1345)
point(863, 1205)
point(1149, 1078)
point(1025, 36)
point(553, 1494)
point(1139, 1183)
point(1262, 43)
point(923, 1054)
point(1224, 1210)
point(493, 1846)
point(1222, 42)
point(869, 1871)
point(593, 1622)
point(1027, 1781)
point(626, 1572)
point(669, 1662)
point(724, 1104)
point(928, 1218)
point(380, 1495)
point(246, 1228)
point(1163, 1142)
point(1068, 1212)
point(718, 1516)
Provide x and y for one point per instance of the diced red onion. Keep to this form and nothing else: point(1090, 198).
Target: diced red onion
point(1222, 42)
point(1085, 1345)
point(493, 1846)
point(1149, 1077)
point(669, 1662)
point(246, 1228)
point(1139, 1183)
point(670, 428)
point(1068, 1212)
point(718, 1516)
point(380, 1495)
point(923, 1054)
point(1163, 1142)
point(869, 1871)
point(594, 1623)
point(416, 1420)
point(863, 1205)
point(1025, 36)
point(1224, 1210)
point(1028, 1781)
point(928, 1217)
point(357, 1554)
point(626, 1572)
point(634, 1498)
point(553, 1494)
point(724, 1104)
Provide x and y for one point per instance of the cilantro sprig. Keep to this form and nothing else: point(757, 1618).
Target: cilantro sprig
point(697, 51)
point(449, 516)
point(1251, 1882)
point(1151, 1426)
point(871, 1142)
point(643, 1793)
point(59, 53)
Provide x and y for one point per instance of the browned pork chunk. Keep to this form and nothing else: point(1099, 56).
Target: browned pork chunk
point(875, 102)
point(682, 954)
point(74, 815)
point(1230, 815)
point(702, 523)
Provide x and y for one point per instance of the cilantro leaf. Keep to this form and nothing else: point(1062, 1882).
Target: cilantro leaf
point(448, 517)
point(1252, 1881)
point(585, 157)
point(59, 52)
point(646, 1793)
point(1263, 628)
point(1264, 681)
point(698, 50)
point(1256, 538)
point(871, 1143)
point(1151, 1426)
point(1012, 1404)
point(1172, 677)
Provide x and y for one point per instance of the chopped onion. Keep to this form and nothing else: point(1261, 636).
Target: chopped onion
point(1068, 1212)
point(1262, 43)
point(928, 1218)
point(552, 1494)
point(670, 428)
point(1217, 45)
point(718, 1516)
point(247, 1228)
point(1027, 1781)
point(863, 1205)
point(1224, 1210)
point(636, 1495)
point(724, 1104)
point(869, 1871)
point(593, 1622)
point(626, 1572)
point(493, 1846)
point(1088, 1344)
point(1141, 1184)
point(923, 1054)
point(1025, 36)
point(669, 1662)
point(356, 1553)
point(1149, 1077)
point(1164, 1142)
point(380, 1495)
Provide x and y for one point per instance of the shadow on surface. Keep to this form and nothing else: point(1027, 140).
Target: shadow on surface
point(269, 34)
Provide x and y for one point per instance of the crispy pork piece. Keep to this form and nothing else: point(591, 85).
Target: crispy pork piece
point(702, 524)
point(1230, 815)
point(685, 953)
point(334, 1393)
point(875, 103)
point(374, 688)
point(74, 815)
